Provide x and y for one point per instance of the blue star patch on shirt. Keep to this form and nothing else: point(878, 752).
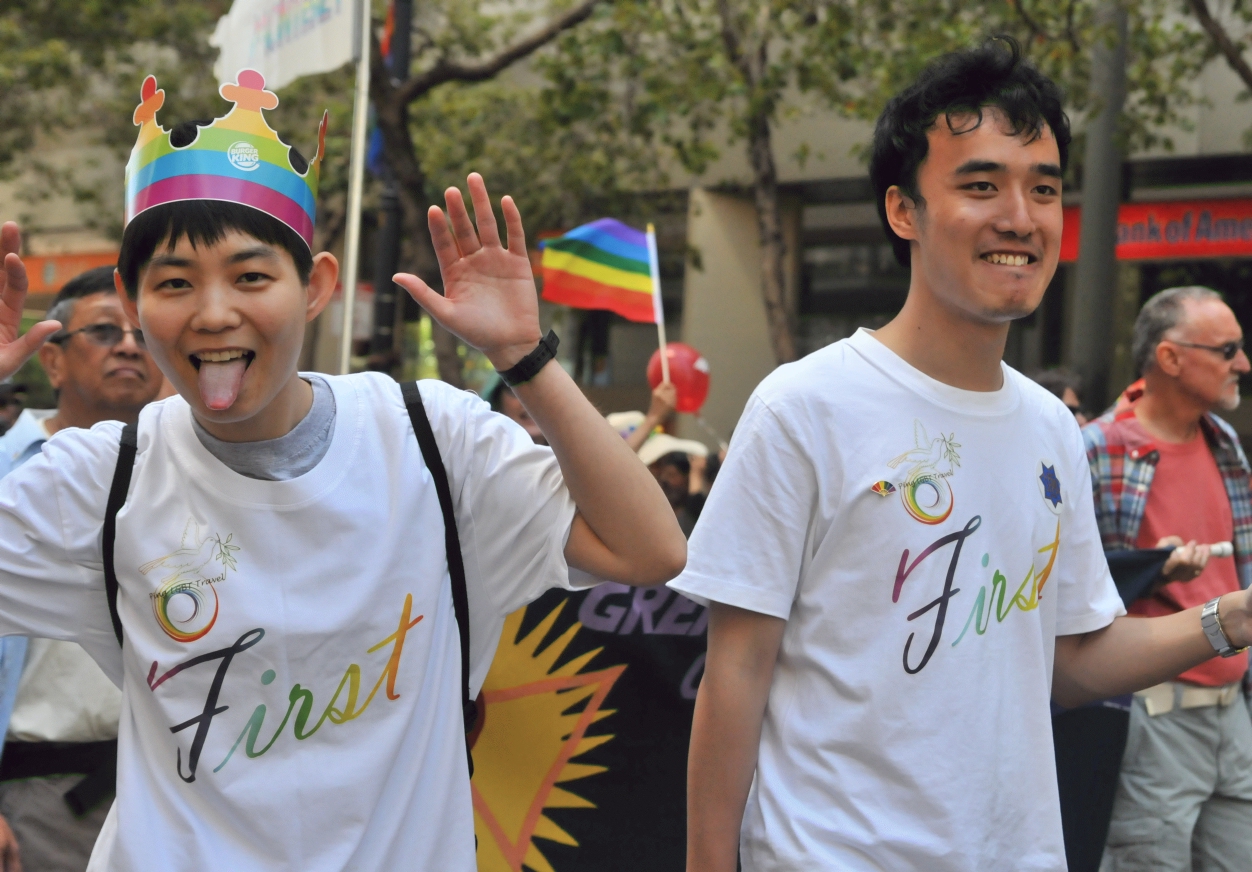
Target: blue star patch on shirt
point(1051, 485)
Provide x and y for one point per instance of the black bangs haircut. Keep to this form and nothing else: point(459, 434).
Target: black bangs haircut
point(203, 222)
point(960, 83)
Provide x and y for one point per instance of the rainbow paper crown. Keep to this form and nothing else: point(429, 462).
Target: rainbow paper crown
point(237, 159)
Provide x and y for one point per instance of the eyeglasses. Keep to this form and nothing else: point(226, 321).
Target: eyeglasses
point(104, 334)
point(1227, 350)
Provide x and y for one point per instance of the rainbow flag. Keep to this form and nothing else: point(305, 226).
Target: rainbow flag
point(604, 265)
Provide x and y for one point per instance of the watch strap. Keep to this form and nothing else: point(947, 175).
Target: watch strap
point(528, 367)
point(1211, 622)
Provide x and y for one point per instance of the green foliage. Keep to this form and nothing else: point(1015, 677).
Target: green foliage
point(564, 161)
point(668, 61)
point(39, 392)
point(1165, 52)
point(599, 114)
point(71, 73)
point(566, 151)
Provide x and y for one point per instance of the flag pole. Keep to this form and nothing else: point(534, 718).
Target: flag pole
point(356, 180)
point(657, 309)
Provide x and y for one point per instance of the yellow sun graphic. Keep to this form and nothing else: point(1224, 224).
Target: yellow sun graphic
point(527, 738)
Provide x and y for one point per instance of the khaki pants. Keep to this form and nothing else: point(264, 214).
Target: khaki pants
point(1184, 798)
point(50, 837)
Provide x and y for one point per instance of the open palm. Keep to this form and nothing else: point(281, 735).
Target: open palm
point(15, 348)
point(489, 295)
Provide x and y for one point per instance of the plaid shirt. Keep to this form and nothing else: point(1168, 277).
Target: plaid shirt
point(1123, 464)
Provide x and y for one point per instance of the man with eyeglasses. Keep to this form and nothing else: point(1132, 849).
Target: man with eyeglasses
point(58, 711)
point(1167, 471)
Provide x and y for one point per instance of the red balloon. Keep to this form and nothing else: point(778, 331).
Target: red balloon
point(688, 371)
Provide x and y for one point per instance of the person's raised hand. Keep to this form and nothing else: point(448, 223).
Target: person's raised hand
point(664, 401)
point(15, 348)
point(489, 297)
point(1186, 562)
point(696, 479)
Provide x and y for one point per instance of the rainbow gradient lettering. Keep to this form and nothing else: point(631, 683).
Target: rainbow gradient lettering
point(980, 615)
point(300, 699)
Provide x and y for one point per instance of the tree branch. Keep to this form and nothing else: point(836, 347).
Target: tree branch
point(446, 70)
point(1215, 30)
point(1069, 27)
point(734, 45)
point(1031, 25)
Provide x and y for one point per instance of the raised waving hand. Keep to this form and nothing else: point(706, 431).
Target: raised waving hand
point(16, 349)
point(489, 297)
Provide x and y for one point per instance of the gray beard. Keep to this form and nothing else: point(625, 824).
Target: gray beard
point(1229, 405)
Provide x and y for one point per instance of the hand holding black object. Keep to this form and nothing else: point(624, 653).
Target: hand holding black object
point(1186, 562)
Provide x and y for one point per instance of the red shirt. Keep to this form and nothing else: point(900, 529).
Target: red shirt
point(1188, 499)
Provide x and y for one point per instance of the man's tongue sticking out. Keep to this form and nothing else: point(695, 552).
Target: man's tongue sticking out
point(220, 382)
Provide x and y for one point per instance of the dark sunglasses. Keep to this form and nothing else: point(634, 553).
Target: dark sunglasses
point(1227, 350)
point(106, 335)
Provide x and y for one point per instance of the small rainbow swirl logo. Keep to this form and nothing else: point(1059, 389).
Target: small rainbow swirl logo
point(183, 610)
point(928, 498)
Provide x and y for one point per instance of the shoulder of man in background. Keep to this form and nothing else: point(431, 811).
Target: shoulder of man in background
point(12, 398)
point(22, 441)
point(1117, 426)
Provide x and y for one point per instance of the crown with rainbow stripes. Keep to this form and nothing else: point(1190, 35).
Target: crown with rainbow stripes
point(238, 159)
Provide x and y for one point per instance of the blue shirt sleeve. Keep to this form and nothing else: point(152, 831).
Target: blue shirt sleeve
point(12, 659)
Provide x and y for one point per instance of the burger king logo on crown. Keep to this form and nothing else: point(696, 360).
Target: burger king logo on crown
point(244, 155)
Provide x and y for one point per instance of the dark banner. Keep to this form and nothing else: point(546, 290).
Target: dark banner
point(581, 754)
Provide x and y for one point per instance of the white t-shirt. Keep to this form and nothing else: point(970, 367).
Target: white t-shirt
point(63, 697)
point(291, 643)
point(926, 545)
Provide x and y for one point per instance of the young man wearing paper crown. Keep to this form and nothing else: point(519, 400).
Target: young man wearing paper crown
point(292, 665)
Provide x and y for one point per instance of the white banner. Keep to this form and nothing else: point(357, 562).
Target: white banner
point(285, 39)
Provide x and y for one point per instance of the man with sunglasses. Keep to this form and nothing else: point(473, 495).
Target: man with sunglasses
point(58, 711)
point(1167, 471)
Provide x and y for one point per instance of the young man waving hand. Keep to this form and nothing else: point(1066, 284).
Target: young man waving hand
point(901, 552)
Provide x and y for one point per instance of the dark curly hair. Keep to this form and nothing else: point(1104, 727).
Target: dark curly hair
point(960, 83)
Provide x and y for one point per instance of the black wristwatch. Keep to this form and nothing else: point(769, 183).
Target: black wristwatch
point(528, 367)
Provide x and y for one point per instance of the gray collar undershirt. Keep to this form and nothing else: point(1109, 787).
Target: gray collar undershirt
point(286, 457)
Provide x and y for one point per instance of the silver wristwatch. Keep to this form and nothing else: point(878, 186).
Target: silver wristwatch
point(1212, 625)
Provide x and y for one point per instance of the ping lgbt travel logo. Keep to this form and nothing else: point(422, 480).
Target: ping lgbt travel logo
point(185, 602)
point(925, 490)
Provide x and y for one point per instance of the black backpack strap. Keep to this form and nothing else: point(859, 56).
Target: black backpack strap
point(117, 498)
point(452, 544)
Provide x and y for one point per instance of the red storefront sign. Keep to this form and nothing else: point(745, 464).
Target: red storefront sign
point(1182, 228)
point(47, 273)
